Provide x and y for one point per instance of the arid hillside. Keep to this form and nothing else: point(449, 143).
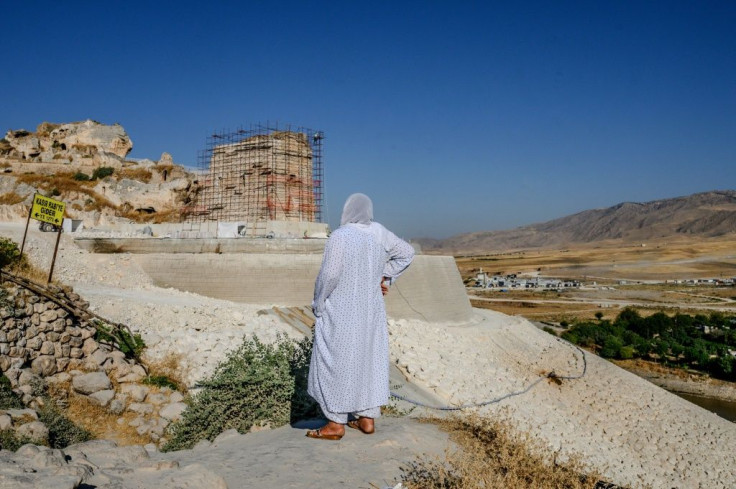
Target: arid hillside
point(706, 215)
point(84, 164)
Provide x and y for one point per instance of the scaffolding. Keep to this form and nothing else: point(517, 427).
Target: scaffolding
point(264, 173)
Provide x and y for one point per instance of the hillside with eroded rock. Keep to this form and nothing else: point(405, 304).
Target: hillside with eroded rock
point(84, 164)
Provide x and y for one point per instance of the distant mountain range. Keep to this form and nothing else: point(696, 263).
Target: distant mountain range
point(707, 214)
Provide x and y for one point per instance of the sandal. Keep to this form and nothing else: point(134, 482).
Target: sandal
point(318, 434)
point(355, 424)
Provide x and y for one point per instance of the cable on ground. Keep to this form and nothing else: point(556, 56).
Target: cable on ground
point(551, 375)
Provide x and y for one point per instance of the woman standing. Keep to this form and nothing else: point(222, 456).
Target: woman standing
point(348, 373)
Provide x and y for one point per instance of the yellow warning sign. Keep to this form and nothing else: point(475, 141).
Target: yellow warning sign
point(47, 210)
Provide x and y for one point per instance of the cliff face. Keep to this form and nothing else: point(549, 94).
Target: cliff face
point(84, 165)
point(88, 142)
point(707, 214)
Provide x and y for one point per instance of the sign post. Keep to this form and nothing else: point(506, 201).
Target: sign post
point(51, 211)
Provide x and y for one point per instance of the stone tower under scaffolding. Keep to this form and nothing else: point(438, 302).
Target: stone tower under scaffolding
point(260, 175)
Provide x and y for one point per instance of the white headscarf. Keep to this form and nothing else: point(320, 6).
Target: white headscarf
point(358, 208)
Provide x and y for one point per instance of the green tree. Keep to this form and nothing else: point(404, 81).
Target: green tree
point(611, 347)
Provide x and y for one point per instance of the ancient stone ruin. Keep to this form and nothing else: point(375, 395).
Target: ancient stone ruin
point(260, 175)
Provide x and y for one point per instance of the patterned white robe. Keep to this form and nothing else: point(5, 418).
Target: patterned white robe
point(350, 357)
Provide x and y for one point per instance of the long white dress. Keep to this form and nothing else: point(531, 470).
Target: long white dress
point(350, 357)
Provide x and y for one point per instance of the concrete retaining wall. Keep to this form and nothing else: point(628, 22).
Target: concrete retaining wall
point(214, 245)
point(431, 289)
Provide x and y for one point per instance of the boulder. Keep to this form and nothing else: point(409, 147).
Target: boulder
point(21, 415)
point(136, 392)
point(35, 431)
point(140, 407)
point(173, 411)
point(90, 383)
point(102, 398)
point(44, 365)
point(166, 159)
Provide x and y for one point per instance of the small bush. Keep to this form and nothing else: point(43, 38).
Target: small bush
point(8, 398)
point(62, 431)
point(131, 345)
point(549, 330)
point(102, 172)
point(81, 177)
point(161, 381)
point(9, 252)
point(10, 441)
point(626, 353)
point(257, 382)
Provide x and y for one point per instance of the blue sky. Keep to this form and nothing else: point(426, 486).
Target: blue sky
point(453, 116)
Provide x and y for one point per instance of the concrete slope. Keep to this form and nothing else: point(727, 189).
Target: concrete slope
point(431, 289)
point(634, 431)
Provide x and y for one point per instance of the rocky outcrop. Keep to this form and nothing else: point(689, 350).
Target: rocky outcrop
point(87, 142)
point(99, 463)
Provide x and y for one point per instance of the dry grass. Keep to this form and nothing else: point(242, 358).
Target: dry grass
point(164, 168)
point(102, 423)
point(494, 454)
point(30, 272)
point(139, 174)
point(171, 367)
point(675, 258)
point(165, 215)
point(11, 198)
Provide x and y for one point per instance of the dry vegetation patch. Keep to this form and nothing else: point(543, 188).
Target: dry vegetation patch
point(102, 423)
point(11, 198)
point(140, 174)
point(169, 368)
point(492, 453)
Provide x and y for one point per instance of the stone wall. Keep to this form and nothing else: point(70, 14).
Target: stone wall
point(38, 333)
point(40, 342)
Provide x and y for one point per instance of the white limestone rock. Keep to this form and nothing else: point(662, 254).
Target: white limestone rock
point(35, 431)
point(90, 383)
point(102, 398)
point(173, 411)
point(136, 392)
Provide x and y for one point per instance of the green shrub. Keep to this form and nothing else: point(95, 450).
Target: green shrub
point(8, 398)
point(102, 172)
point(9, 252)
point(626, 353)
point(161, 381)
point(131, 345)
point(257, 382)
point(81, 177)
point(62, 431)
point(10, 441)
point(549, 330)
